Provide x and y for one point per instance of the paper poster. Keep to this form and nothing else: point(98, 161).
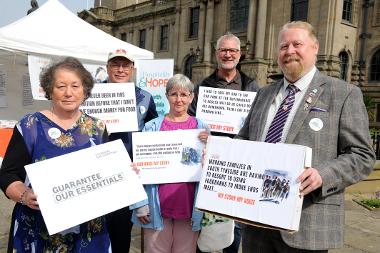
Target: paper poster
point(222, 109)
point(152, 76)
point(38, 63)
point(27, 98)
point(168, 156)
point(115, 104)
point(3, 89)
point(254, 182)
point(80, 186)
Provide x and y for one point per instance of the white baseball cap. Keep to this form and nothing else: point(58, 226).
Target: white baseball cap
point(120, 53)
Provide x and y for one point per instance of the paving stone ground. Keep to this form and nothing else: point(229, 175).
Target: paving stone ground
point(362, 228)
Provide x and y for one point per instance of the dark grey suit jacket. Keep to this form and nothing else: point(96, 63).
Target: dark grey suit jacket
point(342, 153)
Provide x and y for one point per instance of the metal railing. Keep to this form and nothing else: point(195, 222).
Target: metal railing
point(375, 136)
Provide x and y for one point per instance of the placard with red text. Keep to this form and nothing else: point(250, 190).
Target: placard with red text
point(222, 109)
point(253, 182)
point(115, 104)
point(168, 156)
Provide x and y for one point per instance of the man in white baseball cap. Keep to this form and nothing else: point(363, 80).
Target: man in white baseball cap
point(120, 68)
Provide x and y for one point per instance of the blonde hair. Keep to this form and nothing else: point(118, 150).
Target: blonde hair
point(301, 25)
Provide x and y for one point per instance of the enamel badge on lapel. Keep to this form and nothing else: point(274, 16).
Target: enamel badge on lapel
point(309, 99)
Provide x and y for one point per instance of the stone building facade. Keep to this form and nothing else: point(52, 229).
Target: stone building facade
point(186, 30)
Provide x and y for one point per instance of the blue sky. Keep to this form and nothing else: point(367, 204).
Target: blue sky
point(12, 10)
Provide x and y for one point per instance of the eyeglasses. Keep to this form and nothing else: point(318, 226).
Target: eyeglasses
point(180, 95)
point(125, 67)
point(232, 51)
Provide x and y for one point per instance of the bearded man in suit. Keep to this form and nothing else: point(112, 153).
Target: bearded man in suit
point(329, 116)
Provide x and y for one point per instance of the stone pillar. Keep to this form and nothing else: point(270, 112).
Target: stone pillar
point(173, 43)
point(209, 31)
point(251, 27)
point(260, 29)
point(201, 70)
point(149, 38)
point(202, 27)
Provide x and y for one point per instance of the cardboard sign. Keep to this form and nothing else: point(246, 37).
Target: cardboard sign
point(168, 156)
point(80, 186)
point(222, 109)
point(115, 104)
point(253, 182)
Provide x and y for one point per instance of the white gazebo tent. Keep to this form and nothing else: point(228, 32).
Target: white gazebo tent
point(52, 30)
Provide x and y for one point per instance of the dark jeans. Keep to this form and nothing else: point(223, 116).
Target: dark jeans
point(119, 226)
point(234, 247)
point(261, 240)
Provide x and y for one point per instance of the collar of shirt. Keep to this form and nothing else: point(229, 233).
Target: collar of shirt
point(223, 81)
point(302, 83)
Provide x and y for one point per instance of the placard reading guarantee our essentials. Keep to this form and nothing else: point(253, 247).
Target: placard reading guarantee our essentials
point(80, 186)
point(253, 182)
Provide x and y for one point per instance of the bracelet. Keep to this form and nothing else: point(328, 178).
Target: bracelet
point(21, 201)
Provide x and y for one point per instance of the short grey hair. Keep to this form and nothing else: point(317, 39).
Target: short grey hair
point(228, 36)
point(179, 81)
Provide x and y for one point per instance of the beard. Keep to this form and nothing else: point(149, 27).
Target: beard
point(292, 68)
point(227, 65)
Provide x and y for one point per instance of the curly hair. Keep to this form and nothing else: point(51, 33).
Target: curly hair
point(47, 76)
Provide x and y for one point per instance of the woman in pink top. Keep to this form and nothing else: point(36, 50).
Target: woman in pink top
point(170, 222)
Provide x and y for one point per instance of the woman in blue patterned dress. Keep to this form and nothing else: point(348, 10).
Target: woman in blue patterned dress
point(46, 134)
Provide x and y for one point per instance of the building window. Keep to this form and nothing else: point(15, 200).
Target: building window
point(164, 33)
point(123, 36)
point(142, 38)
point(189, 66)
point(343, 57)
point(239, 15)
point(347, 11)
point(194, 22)
point(299, 10)
point(376, 13)
point(374, 68)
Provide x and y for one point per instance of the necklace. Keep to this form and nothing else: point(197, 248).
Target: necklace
point(65, 122)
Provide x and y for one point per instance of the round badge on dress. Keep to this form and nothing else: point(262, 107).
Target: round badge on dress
point(142, 109)
point(54, 133)
point(316, 124)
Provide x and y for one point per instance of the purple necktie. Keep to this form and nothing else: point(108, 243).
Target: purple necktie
point(275, 130)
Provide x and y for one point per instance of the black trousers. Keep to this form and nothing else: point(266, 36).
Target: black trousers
point(119, 227)
point(260, 240)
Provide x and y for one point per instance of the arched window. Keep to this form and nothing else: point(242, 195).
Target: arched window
point(374, 68)
point(239, 15)
point(343, 57)
point(188, 71)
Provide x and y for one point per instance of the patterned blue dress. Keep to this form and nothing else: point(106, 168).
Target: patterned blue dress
point(43, 142)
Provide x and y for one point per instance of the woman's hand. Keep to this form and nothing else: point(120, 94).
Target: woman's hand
point(29, 199)
point(203, 136)
point(144, 219)
point(142, 214)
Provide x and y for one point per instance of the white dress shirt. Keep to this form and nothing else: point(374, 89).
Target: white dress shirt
point(301, 84)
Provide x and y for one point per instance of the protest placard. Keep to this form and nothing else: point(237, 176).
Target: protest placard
point(152, 76)
point(168, 156)
point(222, 109)
point(36, 64)
point(80, 186)
point(253, 182)
point(115, 104)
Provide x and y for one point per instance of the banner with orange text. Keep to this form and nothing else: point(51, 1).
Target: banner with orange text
point(152, 76)
point(222, 109)
point(253, 182)
point(168, 156)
